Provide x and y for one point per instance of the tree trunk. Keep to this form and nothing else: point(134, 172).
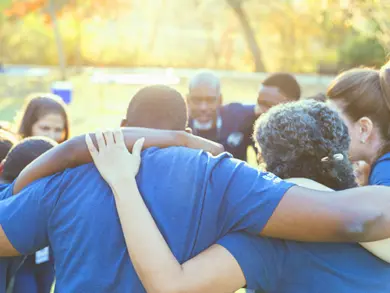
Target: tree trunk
point(79, 59)
point(250, 37)
point(58, 40)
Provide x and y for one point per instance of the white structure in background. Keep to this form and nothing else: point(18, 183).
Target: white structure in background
point(166, 77)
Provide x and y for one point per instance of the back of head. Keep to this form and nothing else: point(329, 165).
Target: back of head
point(7, 141)
point(286, 83)
point(365, 93)
point(306, 139)
point(37, 106)
point(159, 107)
point(23, 153)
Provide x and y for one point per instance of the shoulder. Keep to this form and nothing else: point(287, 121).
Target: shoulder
point(237, 108)
point(380, 171)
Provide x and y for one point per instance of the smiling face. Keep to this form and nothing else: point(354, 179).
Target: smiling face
point(51, 126)
point(204, 98)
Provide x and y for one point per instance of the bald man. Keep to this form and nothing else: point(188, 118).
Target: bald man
point(232, 124)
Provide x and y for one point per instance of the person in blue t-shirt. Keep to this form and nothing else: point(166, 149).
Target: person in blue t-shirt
point(315, 147)
point(194, 197)
point(232, 124)
point(7, 141)
point(20, 155)
point(363, 98)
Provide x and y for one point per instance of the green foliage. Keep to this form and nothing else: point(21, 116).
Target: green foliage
point(188, 34)
point(359, 50)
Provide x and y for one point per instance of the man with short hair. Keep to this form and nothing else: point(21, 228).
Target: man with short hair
point(195, 199)
point(232, 124)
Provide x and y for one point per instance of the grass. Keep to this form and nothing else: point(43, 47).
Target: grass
point(100, 106)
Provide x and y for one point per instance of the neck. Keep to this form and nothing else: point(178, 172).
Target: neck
point(374, 151)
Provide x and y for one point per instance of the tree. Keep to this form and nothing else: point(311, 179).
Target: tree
point(53, 9)
point(249, 34)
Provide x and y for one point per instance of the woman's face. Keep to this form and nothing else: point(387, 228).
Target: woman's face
point(51, 126)
point(357, 149)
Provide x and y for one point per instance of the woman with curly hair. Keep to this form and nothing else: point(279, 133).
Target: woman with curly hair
point(299, 139)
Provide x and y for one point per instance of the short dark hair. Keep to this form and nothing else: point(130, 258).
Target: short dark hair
point(286, 83)
point(295, 137)
point(23, 153)
point(39, 105)
point(7, 141)
point(159, 107)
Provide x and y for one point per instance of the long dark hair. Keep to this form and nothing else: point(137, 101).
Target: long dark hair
point(39, 105)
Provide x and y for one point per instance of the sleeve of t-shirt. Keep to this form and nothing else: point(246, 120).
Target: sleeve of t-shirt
point(24, 217)
point(261, 259)
point(243, 114)
point(6, 191)
point(380, 175)
point(247, 197)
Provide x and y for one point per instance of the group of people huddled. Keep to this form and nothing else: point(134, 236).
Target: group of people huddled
point(167, 203)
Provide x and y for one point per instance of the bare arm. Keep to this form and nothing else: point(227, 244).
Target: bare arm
point(353, 215)
point(74, 152)
point(379, 248)
point(214, 270)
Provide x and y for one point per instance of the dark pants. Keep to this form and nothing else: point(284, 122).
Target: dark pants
point(34, 278)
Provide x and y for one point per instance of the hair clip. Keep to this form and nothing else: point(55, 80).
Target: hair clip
point(336, 157)
point(325, 159)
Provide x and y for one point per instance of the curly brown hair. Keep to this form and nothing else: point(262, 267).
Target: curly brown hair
point(294, 138)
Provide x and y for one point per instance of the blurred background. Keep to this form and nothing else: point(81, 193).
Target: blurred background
point(107, 49)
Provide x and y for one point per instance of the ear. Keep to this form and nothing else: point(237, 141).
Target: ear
point(189, 130)
point(366, 128)
point(220, 100)
point(124, 123)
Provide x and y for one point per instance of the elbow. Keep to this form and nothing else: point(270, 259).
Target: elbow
point(366, 228)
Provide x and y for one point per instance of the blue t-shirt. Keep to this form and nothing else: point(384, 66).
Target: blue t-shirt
point(235, 131)
point(8, 265)
point(4, 262)
point(380, 171)
point(277, 266)
point(194, 198)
